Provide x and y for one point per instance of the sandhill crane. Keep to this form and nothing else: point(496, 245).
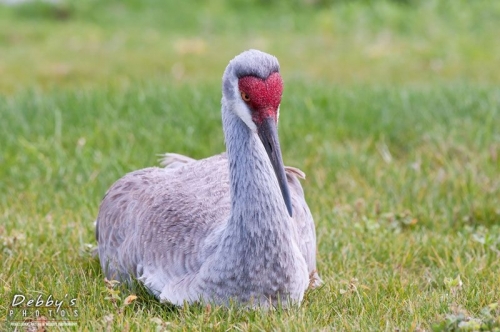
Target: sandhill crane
point(232, 226)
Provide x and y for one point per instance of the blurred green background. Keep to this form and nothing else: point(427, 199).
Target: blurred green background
point(89, 42)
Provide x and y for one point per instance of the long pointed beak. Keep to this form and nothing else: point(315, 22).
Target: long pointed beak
point(269, 136)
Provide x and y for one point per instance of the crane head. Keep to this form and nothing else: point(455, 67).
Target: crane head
point(253, 86)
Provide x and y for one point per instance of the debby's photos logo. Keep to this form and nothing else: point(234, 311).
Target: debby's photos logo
point(42, 310)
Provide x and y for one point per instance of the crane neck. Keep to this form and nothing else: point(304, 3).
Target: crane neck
point(256, 199)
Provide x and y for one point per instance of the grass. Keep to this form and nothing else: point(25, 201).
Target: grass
point(391, 109)
point(91, 43)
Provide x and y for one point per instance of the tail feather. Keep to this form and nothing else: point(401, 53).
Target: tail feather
point(174, 160)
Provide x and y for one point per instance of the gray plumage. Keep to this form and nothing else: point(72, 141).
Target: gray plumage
point(214, 229)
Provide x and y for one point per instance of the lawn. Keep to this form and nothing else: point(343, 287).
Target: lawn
point(391, 108)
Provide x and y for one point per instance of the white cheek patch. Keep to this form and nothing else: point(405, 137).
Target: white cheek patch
point(278, 114)
point(242, 110)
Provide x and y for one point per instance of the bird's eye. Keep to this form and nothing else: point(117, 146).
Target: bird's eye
point(245, 96)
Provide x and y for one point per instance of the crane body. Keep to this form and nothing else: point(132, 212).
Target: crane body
point(234, 226)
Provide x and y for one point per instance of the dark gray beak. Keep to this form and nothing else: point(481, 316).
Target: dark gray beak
point(269, 136)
